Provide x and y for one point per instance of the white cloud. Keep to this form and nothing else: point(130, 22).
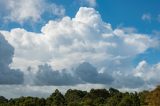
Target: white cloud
point(146, 17)
point(149, 73)
point(86, 36)
point(68, 42)
point(24, 10)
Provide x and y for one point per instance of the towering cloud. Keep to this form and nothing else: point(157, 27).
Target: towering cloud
point(70, 41)
point(88, 48)
point(7, 75)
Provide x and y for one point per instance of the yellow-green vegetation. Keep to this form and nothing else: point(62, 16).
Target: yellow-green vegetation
point(153, 97)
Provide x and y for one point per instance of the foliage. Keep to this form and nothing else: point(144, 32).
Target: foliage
point(153, 97)
point(95, 97)
point(56, 99)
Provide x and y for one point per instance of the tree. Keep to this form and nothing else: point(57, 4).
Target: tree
point(3, 100)
point(113, 91)
point(143, 96)
point(74, 97)
point(126, 101)
point(96, 93)
point(56, 99)
point(114, 100)
point(136, 99)
point(96, 97)
point(153, 98)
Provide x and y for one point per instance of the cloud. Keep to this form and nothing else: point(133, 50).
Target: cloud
point(128, 81)
point(149, 73)
point(24, 10)
point(85, 36)
point(84, 73)
point(146, 17)
point(68, 42)
point(7, 75)
point(89, 74)
point(47, 76)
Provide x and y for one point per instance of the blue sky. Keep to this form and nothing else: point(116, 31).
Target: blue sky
point(129, 13)
point(56, 42)
point(120, 13)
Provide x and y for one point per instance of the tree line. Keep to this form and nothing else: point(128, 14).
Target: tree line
point(95, 97)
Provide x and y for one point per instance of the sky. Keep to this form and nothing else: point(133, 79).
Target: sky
point(78, 44)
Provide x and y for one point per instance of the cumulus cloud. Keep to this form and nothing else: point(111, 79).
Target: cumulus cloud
point(7, 75)
point(149, 73)
point(68, 42)
point(85, 36)
point(24, 10)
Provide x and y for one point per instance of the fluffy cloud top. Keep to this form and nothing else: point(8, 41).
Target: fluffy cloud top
point(7, 75)
point(76, 43)
point(86, 36)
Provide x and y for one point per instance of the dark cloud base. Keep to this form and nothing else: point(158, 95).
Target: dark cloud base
point(7, 75)
point(84, 73)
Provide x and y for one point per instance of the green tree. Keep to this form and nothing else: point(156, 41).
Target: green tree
point(74, 97)
point(113, 91)
point(95, 93)
point(3, 100)
point(136, 99)
point(56, 99)
point(96, 97)
point(126, 101)
point(114, 100)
